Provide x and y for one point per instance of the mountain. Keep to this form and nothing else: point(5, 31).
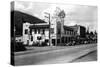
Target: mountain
point(18, 18)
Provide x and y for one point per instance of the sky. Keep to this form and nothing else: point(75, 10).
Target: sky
point(75, 14)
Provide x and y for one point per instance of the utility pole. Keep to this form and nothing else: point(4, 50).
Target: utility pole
point(50, 42)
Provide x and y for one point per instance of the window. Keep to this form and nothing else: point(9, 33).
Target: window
point(43, 31)
point(67, 32)
point(74, 33)
point(31, 38)
point(26, 31)
point(39, 38)
point(59, 31)
point(70, 32)
point(46, 40)
point(52, 30)
point(35, 31)
point(38, 31)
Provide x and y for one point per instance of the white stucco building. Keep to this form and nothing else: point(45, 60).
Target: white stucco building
point(53, 32)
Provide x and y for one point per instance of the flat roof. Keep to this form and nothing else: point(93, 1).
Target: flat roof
point(39, 26)
point(68, 28)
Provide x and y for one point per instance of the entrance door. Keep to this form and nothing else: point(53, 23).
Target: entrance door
point(53, 42)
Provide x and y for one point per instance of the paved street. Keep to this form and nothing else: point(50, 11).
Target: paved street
point(60, 55)
point(92, 56)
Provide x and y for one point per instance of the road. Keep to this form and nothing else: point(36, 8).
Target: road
point(92, 56)
point(65, 55)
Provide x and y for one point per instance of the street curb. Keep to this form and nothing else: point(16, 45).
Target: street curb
point(57, 49)
point(82, 56)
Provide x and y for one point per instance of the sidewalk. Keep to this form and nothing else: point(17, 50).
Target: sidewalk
point(91, 56)
point(52, 55)
point(39, 49)
point(35, 49)
point(69, 58)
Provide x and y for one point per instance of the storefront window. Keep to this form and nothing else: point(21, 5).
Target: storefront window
point(59, 31)
point(26, 31)
point(43, 31)
point(52, 30)
point(38, 31)
point(35, 31)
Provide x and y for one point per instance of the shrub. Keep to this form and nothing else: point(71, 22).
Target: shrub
point(17, 46)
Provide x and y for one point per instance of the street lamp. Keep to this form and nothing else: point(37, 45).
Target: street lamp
point(49, 27)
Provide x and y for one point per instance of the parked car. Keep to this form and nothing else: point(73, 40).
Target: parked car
point(17, 46)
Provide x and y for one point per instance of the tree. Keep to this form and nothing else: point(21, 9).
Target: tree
point(62, 14)
point(91, 33)
point(95, 32)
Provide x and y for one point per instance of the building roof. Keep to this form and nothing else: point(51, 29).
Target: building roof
point(18, 18)
point(68, 28)
point(39, 26)
point(75, 27)
point(47, 26)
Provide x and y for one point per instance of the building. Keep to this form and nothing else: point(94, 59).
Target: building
point(80, 30)
point(54, 33)
point(17, 20)
point(40, 33)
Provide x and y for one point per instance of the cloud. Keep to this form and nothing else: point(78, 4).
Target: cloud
point(83, 15)
point(75, 14)
point(33, 8)
point(19, 6)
